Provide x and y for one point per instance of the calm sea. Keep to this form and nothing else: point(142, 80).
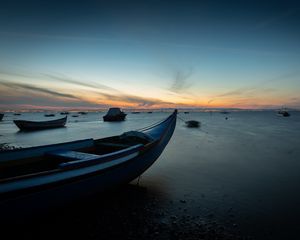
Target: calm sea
point(243, 171)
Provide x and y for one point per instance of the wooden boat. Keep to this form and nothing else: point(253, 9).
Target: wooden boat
point(64, 113)
point(82, 113)
point(49, 115)
point(225, 112)
point(17, 114)
point(284, 113)
point(186, 112)
point(1, 116)
point(192, 124)
point(35, 125)
point(37, 178)
point(114, 115)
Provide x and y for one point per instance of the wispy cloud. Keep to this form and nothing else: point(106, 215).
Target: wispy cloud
point(237, 92)
point(112, 94)
point(57, 77)
point(109, 95)
point(139, 101)
point(233, 93)
point(180, 82)
point(29, 87)
point(251, 90)
point(70, 80)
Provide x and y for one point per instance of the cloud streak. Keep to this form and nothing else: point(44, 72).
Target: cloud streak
point(29, 87)
point(140, 101)
point(252, 89)
point(180, 81)
point(57, 77)
point(114, 94)
point(109, 96)
point(80, 83)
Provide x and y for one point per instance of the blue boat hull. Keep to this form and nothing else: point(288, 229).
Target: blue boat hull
point(68, 191)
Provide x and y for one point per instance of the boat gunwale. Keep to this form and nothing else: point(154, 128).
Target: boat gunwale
point(42, 146)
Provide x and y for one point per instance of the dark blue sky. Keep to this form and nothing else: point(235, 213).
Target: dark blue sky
point(158, 20)
point(215, 47)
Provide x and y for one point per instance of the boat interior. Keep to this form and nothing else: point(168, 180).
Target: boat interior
point(52, 160)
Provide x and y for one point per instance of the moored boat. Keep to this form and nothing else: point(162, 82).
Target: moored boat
point(192, 124)
point(50, 115)
point(1, 116)
point(114, 115)
point(283, 113)
point(64, 113)
point(39, 125)
point(82, 113)
point(224, 112)
point(36, 178)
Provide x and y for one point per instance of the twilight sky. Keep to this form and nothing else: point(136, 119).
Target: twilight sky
point(149, 54)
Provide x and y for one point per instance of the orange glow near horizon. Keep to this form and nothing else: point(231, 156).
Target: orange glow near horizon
point(18, 93)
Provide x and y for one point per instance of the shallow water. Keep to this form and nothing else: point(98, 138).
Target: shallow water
point(243, 172)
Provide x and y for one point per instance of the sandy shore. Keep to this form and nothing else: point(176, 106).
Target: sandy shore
point(130, 212)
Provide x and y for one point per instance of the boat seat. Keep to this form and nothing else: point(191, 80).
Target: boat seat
point(73, 155)
point(79, 159)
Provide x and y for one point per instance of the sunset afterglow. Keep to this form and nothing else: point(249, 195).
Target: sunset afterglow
point(178, 57)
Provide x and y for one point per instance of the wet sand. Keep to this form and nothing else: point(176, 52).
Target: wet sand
point(129, 212)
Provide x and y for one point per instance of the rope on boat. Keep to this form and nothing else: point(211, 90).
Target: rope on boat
point(180, 118)
point(151, 126)
point(148, 127)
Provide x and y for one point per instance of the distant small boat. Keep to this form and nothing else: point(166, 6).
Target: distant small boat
point(284, 113)
point(38, 178)
point(17, 114)
point(135, 112)
point(114, 115)
point(1, 116)
point(82, 113)
point(39, 125)
point(150, 112)
point(186, 112)
point(49, 115)
point(224, 112)
point(64, 113)
point(75, 116)
point(193, 124)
